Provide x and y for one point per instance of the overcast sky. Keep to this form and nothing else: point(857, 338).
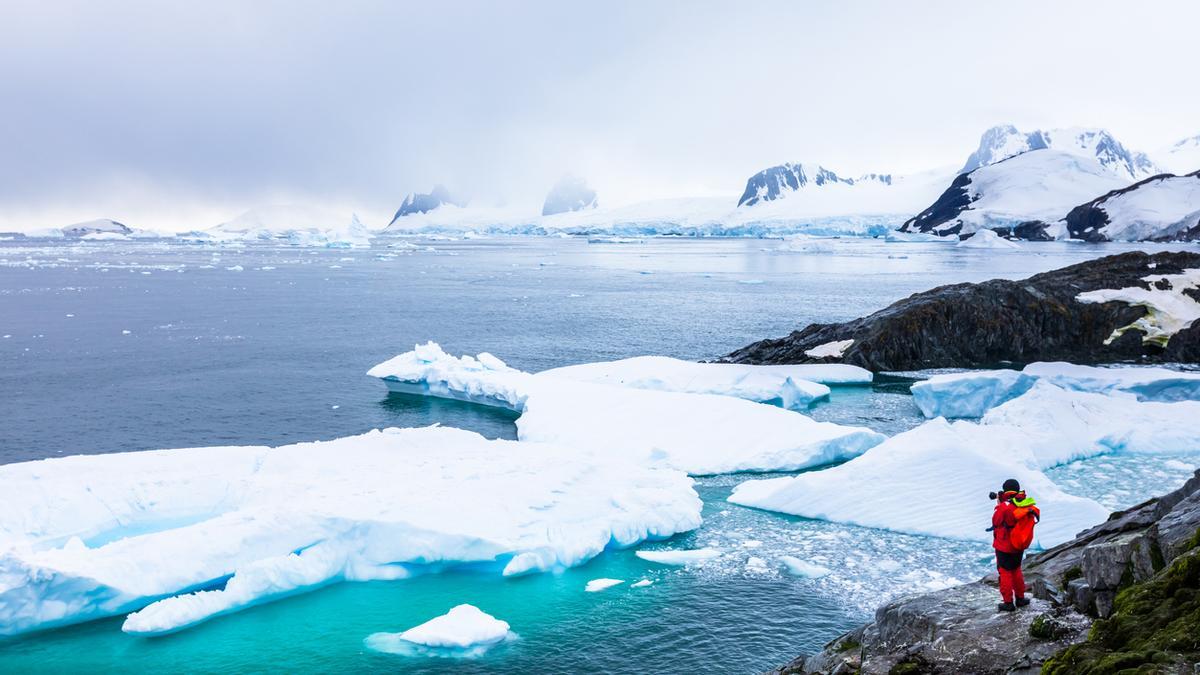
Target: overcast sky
point(182, 114)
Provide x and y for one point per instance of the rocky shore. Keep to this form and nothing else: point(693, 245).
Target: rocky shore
point(1123, 596)
point(1002, 322)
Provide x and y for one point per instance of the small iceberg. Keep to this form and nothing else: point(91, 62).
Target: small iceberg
point(673, 557)
point(463, 632)
point(987, 239)
point(784, 386)
point(973, 393)
point(597, 585)
point(933, 480)
point(805, 570)
point(698, 433)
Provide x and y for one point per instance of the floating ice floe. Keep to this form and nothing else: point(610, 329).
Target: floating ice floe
point(597, 585)
point(675, 557)
point(1060, 426)
point(698, 433)
point(787, 386)
point(800, 568)
point(1170, 307)
point(463, 632)
point(987, 239)
point(971, 394)
point(933, 480)
point(185, 535)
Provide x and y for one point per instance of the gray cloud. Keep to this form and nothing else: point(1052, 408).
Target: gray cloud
point(182, 110)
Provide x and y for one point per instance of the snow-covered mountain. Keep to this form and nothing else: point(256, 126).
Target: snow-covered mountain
point(98, 226)
point(781, 181)
point(1181, 157)
point(417, 202)
point(295, 225)
point(570, 193)
point(1001, 142)
point(1165, 207)
point(1019, 196)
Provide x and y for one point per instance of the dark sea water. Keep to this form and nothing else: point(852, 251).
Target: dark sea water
point(117, 346)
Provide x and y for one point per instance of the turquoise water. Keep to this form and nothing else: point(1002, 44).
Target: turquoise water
point(277, 352)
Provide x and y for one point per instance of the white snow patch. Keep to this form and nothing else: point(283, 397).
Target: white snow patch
point(799, 568)
point(833, 349)
point(1167, 311)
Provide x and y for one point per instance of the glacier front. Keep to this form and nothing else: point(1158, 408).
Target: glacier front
point(180, 536)
point(698, 433)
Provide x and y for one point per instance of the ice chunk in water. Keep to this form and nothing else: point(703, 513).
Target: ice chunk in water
point(596, 585)
point(671, 557)
point(464, 632)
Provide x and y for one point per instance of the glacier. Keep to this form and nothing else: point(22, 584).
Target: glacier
point(794, 387)
point(973, 393)
point(932, 480)
point(464, 632)
point(180, 536)
point(701, 434)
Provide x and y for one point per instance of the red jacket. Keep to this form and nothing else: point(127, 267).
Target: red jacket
point(1002, 523)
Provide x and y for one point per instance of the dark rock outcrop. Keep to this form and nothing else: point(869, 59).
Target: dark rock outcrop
point(948, 206)
point(777, 181)
point(417, 202)
point(569, 194)
point(959, 631)
point(1000, 322)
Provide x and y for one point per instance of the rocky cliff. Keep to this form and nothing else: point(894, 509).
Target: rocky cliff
point(1054, 316)
point(1122, 595)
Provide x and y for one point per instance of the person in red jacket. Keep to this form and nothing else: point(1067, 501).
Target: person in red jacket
point(1008, 558)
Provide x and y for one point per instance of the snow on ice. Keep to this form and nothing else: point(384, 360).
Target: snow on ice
point(698, 433)
point(793, 387)
point(185, 535)
point(463, 632)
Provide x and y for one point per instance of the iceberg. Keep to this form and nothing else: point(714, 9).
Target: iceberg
point(698, 433)
point(987, 239)
point(463, 632)
point(794, 387)
point(1061, 426)
point(180, 536)
point(971, 394)
point(671, 557)
point(932, 480)
point(291, 225)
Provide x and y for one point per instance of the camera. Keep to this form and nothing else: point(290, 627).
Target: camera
point(992, 495)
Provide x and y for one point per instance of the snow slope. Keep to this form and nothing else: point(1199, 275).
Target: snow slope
point(90, 536)
point(294, 225)
point(1001, 142)
point(1037, 186)
point(932, 480)
point(793, 387)
point(698, 433)
point(972, 394)
point(1180, 157)
point(1162, 207)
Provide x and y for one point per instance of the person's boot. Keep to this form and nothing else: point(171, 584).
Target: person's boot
point(1022, 602)
point(1006, 607)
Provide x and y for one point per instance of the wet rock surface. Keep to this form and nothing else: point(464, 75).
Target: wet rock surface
point(999, 323)
point(958, 630)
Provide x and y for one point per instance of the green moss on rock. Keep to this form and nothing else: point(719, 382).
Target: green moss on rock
point(1154, 627)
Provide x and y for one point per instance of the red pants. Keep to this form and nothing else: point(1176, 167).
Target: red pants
point(1012, 581)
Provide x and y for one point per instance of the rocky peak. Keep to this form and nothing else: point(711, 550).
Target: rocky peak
point(570, 193)
point(779, 181)
point(417, 202)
